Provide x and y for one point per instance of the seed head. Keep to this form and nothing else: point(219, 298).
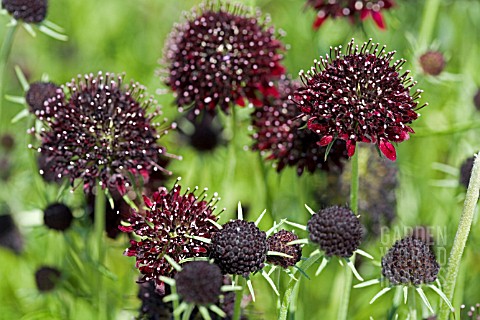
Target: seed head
point(46, 278)
point(166, 227)
point(278, 242)
point(280, 134)
point(221, 55)
point(336, 230)
point(199, 282)
point(29, 11)
point(37, 97)
point(357, 96)
point(58, 216)
point(410, 261)
point(101, 131)
point(432, 62)
point(239, 248)
point(353, 9)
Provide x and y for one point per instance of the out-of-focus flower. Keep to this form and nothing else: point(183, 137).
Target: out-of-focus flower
point(57, 216)
point(220, 56)
point(29, 11)
point(46, 278)
point(432, 62)
point(278, 242)
point(357, 96)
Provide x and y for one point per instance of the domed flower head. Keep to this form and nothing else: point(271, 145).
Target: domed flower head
point(29, 11)
point(240, 247)
point(279, 134)
point(172, 225)
point(46, 278)
point(359, 96)
point(101, 131)
point(199, 282)
point(278, 242)
point(432, 62)
point(353, 9)
point(153, 307)
point(37, 97)
point(220, 56)
point(58, 216)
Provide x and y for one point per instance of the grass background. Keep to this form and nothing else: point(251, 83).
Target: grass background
point(128, 36)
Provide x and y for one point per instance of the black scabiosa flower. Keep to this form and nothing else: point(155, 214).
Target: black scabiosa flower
point(169, 226)
point(432, 62)
point(239, 248)
point(279, 134)
point(410, 261)
point(199, 282)
point(101, 131)
point(46, 278)
point(29, 11)
point(58, 216)
point(37, 97)
point(466, 171)
point(278, 242)
point(358, 96)
point(220, 56)
point(353, 9)
point(336, 230)
point(153, 307)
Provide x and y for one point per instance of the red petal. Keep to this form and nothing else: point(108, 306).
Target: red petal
point(364, 14)
point(388, 149)
point(318, 22)
point(127, 229)
point(325, 140)
point(240, 102)
point(378, 18)
point(351, 148)
point(147, 201)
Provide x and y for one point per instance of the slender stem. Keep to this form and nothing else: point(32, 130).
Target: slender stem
point(4, 54)
point(412, 304)
point(176, 303)
point(232, 156)
point(345, 299)
point(430, 11)
point(237, 311)
point(266, 190)
point(99, 229)
point(461, 237)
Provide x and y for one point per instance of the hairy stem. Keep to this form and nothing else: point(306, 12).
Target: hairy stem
point(461, 237)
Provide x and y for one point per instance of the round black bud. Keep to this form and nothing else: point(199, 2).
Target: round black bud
point(410, 261)
point(58, 216)
point(7, 141)
point(46, 278)
point(30, 11)
point(432, 62)
point(278, 242)
point(239, 248)
point(336, 230)
point(199, 282)
point(37, 94)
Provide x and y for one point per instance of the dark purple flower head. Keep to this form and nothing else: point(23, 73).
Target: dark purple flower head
point(153, 307)
point(220, 56)
point(46, 278)
point(7, 142)
point(10, 236)
point(58, 216)
point(280, 135)
point(199, 282)
point(410, 261)
point(101, 130)
point(432, 62)
point(336, 230)
point(466, 171)
point(203, 132)
point(239, 248)
point(279, 242)
point(29, 11)
point(353, 9)
point(358, 96)
point(166, 227)
point(37, 97)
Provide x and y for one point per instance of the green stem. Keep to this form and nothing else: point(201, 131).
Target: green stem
point(99, 229)
point(430, 11)
point(345, 299)
point(412, 304)
point(4, 54)
point(461, 237)
point(266, 190)
point(237, 311)
point(176, 303)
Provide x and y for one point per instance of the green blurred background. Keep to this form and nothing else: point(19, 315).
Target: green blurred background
point(128, 36)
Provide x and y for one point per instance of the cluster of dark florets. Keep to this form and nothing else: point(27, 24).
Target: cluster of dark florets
point(239, 248)
point(46, 278)
point(204, 133)
point(199, 282)
point(353, 9)
point(153, 307)
point(432, 62)
point(410, 261)
point(281, 136)
point(166, 227)
point(220, 56)
point(278, 242)
point(357, 96)
point(29, 11)
point(37, 97)
point(58, 216)
point(336, 230)
point(101, 131)
point(472, 313)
